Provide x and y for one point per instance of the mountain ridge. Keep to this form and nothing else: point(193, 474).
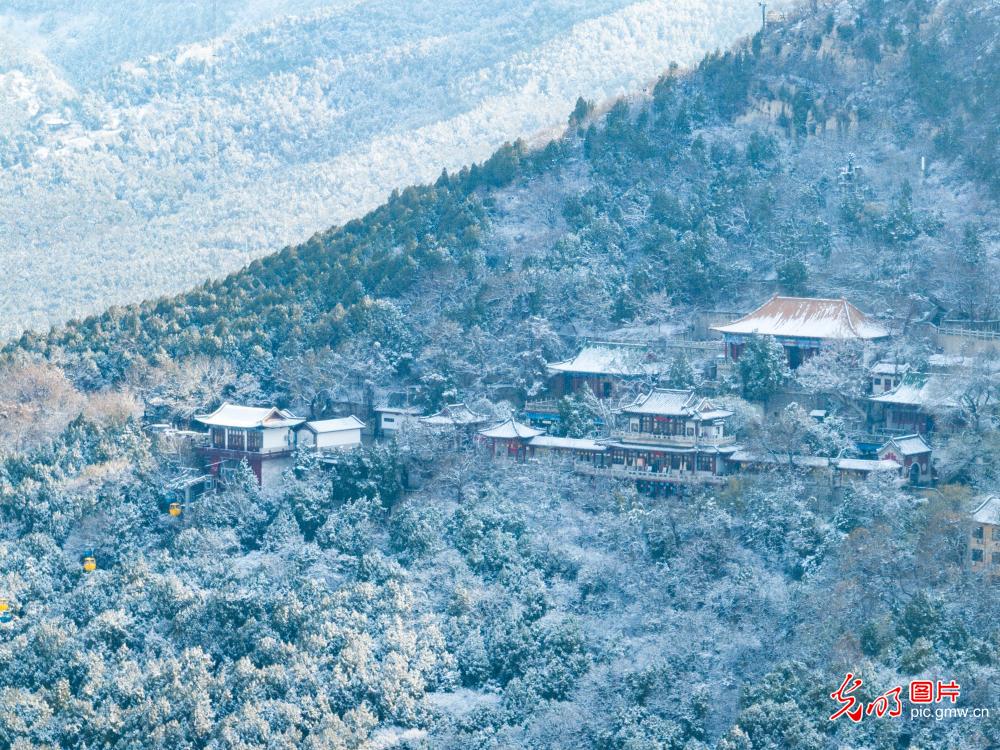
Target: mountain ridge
point(737, 166)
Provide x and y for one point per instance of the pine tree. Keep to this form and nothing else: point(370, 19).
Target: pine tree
point(762, 368)
point(575, 419)
point(681, 375)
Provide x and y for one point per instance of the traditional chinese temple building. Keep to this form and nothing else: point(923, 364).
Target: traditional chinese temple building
point(912, 453)
point(509, 439)
point(910, 406)
point(671, 435)
point(264, 437)
point(603, 367)
point(802, 325)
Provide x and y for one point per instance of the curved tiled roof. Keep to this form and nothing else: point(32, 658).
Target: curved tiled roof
point(232, 415)
point(602, 358)
point(454, 414)
point(807, 317)
point(674, 402)
point(510, 430)
point(988, 511)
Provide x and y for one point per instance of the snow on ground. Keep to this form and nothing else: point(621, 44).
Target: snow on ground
point(208, 141)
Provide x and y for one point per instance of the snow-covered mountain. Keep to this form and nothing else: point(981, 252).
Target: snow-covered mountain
point(147, 145)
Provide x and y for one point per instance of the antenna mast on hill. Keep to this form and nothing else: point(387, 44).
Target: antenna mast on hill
point(763, 15)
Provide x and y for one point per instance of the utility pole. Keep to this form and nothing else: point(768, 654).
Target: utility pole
point(763, 15)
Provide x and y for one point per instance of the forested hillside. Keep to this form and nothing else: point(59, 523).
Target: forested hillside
point(521, 605)
point(148, 145)
point(728, 178)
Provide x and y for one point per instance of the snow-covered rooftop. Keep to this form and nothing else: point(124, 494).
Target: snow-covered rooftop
point(411, 410)
point(629, 444)
point(334, 425)
point(890, 368)
point(671, 402)
point(565, 443)
point(806, 317)
point(602, 358)
point(908, 445)
point(918, 389)
point(988, 511)
point(510, 430)
point(817, 462)
point(453, 414)
point(232, 415)
point(748, 457)
point(711, 413)
point(865, 464)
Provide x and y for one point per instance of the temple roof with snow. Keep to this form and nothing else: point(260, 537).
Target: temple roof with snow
point(908, 445)
point(920, 390)
point(567, 443)
point(249, 417)
point(453, 415)
point(340, 424)
point(671, 402)
point(866, 464)
point(510, 430)
point(605, 358)
point(988, 511)
point(807, 318)
point(890, 368)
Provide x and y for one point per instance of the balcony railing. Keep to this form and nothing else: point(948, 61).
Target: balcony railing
point(645, 475)
point(238, 453)
point(661, 439)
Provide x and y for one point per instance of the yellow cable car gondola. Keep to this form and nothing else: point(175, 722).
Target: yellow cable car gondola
point(175, 509)
point(4, 605)
point(5, 614)
point(89, 563)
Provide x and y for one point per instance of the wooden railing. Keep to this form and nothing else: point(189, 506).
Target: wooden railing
point(645, 475)
point(969, 333)
point(660, 439)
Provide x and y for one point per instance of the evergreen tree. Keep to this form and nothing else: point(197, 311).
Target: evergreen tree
point(762, 367)
point(793, 275)
point(681, 374)
point(575, 417)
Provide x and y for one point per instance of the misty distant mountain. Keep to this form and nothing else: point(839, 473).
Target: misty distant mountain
point(169, 142)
